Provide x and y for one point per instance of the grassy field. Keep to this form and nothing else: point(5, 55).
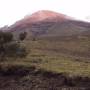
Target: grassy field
point(71, 56)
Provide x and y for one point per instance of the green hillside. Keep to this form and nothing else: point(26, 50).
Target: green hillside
point(71, 56)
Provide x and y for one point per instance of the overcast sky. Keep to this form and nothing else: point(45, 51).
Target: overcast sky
point(13, 10)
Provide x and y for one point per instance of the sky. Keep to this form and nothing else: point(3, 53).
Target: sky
point(13, 10)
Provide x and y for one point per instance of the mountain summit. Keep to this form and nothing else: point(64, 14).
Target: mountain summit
point(39, 17)
point(45, 15)
point(46, 23)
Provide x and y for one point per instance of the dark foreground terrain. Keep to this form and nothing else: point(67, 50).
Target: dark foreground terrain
point(21, 78)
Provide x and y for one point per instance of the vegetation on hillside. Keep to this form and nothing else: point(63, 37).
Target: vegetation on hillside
point(9, 47)
point(50, 63)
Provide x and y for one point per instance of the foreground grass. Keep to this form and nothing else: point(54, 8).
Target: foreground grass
point(59, 65)
point(60, 57)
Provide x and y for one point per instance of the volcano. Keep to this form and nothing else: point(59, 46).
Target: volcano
point(49, 23)
point(46, 15)
point(43, 15)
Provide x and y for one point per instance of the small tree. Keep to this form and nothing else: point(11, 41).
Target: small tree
point(22, 36)
point(5, 38)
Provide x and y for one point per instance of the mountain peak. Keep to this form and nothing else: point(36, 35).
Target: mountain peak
point(48, 23)
point(45, 14)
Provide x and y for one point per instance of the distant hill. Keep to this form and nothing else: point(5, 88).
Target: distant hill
point(48, 23)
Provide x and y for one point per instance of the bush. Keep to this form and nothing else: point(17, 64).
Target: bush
point(5, 37)
point(15, 50)
point(10, 48)
point(22, 36)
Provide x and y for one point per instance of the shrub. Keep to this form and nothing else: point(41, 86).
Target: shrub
point(22, 36)
point(10, 48)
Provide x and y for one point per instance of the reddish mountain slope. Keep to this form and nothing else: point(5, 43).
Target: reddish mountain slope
point(43, 15)
point(49, 23)
point(46, 15)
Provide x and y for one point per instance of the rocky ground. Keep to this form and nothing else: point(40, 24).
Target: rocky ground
point(19, 78)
